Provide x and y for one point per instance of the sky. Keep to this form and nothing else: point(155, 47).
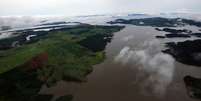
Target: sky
point(92, 7)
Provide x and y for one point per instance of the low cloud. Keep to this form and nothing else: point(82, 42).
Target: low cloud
point(156, 69)
point(16, 22)
point(29, 21)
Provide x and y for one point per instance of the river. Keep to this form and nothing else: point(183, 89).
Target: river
point(127, 78)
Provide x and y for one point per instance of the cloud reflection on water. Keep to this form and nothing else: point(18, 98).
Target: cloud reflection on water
point(156, 68)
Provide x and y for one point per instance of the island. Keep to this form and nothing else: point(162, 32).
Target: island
point(193, 86)
point(174, 36)
point(196, 34)
point(187, 52)
point(158, 22)
point(177, 33)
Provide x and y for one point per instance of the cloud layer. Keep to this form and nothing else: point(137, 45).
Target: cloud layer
point(86, 7)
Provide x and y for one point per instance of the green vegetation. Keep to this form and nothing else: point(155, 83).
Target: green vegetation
point(60, 55)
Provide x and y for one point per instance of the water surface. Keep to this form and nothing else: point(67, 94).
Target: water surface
point(128, 80)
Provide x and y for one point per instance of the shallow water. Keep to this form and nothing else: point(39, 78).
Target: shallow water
point(129, 80)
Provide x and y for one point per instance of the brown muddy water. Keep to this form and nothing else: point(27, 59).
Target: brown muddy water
point(135, 70)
